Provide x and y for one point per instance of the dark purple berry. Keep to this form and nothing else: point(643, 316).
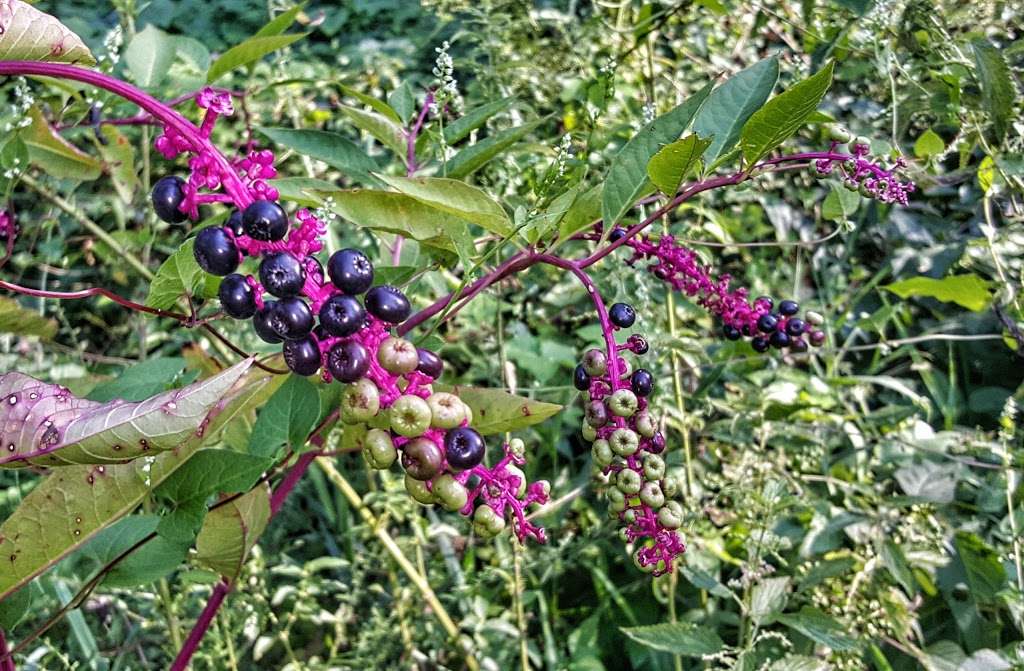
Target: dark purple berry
point(215, 251)
point(167, 196)
point(282, 274)
point(795, 327)
point(350, 271)
point(766, 301)
point(265, 220)
point(731, 332)
point(348, 361)
point(342, 315)
point(464, 448)
point(388, 304)
point(622, 315)
point(760, 344)
point(580, 378)
point(430, 364)
point(779, 339)
point(262, 323)
point(817, 338)
point(798, 345)
point(746, 331)
point(642, 382)
point(657, 445)
point(788, 308)
point(237, 297)
point(617, 234)
point(421, 458)
point(638, 344)
point(767, 323)
point(234, 223)
point(661, 272)
point(302, 356)
point(288, 318)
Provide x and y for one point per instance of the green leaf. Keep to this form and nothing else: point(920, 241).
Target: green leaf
point(403, 102)
point(583, 213)
point(472, 158)
point(22, 321)
point(985, 573)
point(929, 144)
point(768, 599)
point(281, 22)
point(473, 119)
point(387, 131)
point(249, 52)
point(679, 638)
point(301, 190)
point(231, 530)
point(287, 418)
point(730, 105)
point(997, 85)
point(819, 627)
point(967, 290)
point(146, 564)
point(76, 502)
point(496, 411)
point(378, 106)
point(674, 161)
point(178, 276)
point(457, 198)
point(840, 203)
point(14, 608)
point(627, 178)
point(783, 115)
point(394, 213)
point(54, 155)
point(149, 56)
point(141, 381)
point(896, 562)
point(333, 149)
point(60, 429)
point(799, 663)
point(119, 161)
point(31, 35)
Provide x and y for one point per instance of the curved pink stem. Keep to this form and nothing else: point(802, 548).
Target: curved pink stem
point(203, 623)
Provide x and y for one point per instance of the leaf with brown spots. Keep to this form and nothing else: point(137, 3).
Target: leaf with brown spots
point(27, 34)
point(230, 532)
point(44, 425)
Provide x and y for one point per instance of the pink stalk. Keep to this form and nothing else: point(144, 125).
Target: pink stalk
point(6, 660)
point(202, 624)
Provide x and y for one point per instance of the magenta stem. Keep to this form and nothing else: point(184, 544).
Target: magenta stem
point(6, 659)
point(232, 182)
point(291, 478)
point(202, 625)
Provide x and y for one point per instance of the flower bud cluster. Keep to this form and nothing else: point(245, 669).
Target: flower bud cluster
point(860, 172)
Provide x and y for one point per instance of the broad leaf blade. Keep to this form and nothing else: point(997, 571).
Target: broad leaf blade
point(819, 627)
point(474, 157)
point(457, 198)
point(783, 115)
point(249, 52)
point(730, 105)
point(496, 411)
point(395, 213)
point(149, 56)
point(333, 149)
point(179, 275)
point(967, 290)
point(674, 161)
point(231, 530)
point(679, 638)
point(281, 22)
point(473, 119)
point(378, 106)
point(997, 85)
point(627, 178)
point(287, 418)
point(30, 35)
point(55, 155)
point(387, 131)
point(583, 212)
point(119, 162)
point(22, 321)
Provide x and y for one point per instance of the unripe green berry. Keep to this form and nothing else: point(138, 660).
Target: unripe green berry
point(397, 356)
point(360, 401)
point(379, 449)
point(595, 363)
point(629, 481)
point(651, 495)
point(410, 416)
point(840, 134)
point(629, 517)
point(623, 535)
point(486, 522)
point(623, 403)
point(671, 515)
point(449, 492)
point(645, 425)
point(616, 501)
point(654, 467)
point(447, 411)
point(589, 433)
point(814, 318)
point(602, 452)
point(624, 442)
point(636, 562)
point(418, 490)
point(517, 447)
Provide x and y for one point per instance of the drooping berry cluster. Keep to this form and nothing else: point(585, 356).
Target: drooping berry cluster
point(8, 227)
point(682, 270)
point(627, 448)
point(338, 323)
point(861, 173)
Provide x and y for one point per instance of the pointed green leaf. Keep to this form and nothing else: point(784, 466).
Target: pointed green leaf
point(929, 144)
point(472, 158)
point(997, 87)
point(819, 627)
point(30, 35)
point(403, 102)
point(119, 162)
point(281, 22)
point(783, 115)
point(378, 106)
point(301, 190)
point(679, 638)
point(249, 52)
point(54, 155)
point(140, 381)
point(730, 105)
point(584, 212)
point(335, 150)
point(454, 197)
point(473, 119)
point(393, 213)
point(22, 321)
point(496, 411)
point(674, 161)
point(387, 131)
point(967, 290)
point(231, 530)
point(178, 276)
point(286, 419)
point(768, 598)
point(840, 203)
point(627, 178)
point(149, 56)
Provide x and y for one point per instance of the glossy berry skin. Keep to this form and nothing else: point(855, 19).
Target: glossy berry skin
point(167, 196)
point(581, 378)
point(261, 323)
point(731, 332)
point(234, 223)
point(760, 344)
point(622, 315)
point(388, 304)
point(348, 361)
point(798, 345)
point(788, 308)
point(237, 297)
point(617, 234)
point(641, 382)
point(817, 338)
point(766, 301)
point(795, 327)
point(302, 356)
point(265, 220)
point(779, 339)
point(287, 319)
point(767, 323)
point(350, 271)
point(282, 274)
point(430, 364)
point(342, 315)
point(638, 344)
point(215, 251)
point(464, 448)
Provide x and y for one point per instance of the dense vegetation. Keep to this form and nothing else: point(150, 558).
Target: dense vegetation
point(858, 505)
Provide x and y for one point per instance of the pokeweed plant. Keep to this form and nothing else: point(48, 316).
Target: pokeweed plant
point(342, 321)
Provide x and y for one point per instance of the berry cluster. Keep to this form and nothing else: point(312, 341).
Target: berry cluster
point(8, 228)
point(337, 323)
point(627, 447)
point(860, 173)
point(682, 270)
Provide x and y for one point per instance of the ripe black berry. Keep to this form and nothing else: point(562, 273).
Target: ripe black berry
point(342, 315)
point(286, 319)
point(760, 344)
point(302, 356)
point(350, 271)
point(580, 378)
point(215, 251)
point(731, 332)
point(262, 323)
point(388, 304)
point(167, 196)
point(641, 382)
point(237, 297)
point(795, 327)
point(798, 345)
point(622, 315)
point(265, 220)
point(638, 344)
point(779, 339)
point(767, 323)
point(617, 234)
point(766, 300)
point(430, 364)
point(282, 274)
point(234, 223)
point(348, 361)
point(788, 308)
point(464, 448)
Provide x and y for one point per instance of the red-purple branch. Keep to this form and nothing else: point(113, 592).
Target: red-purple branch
point(201, 626)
